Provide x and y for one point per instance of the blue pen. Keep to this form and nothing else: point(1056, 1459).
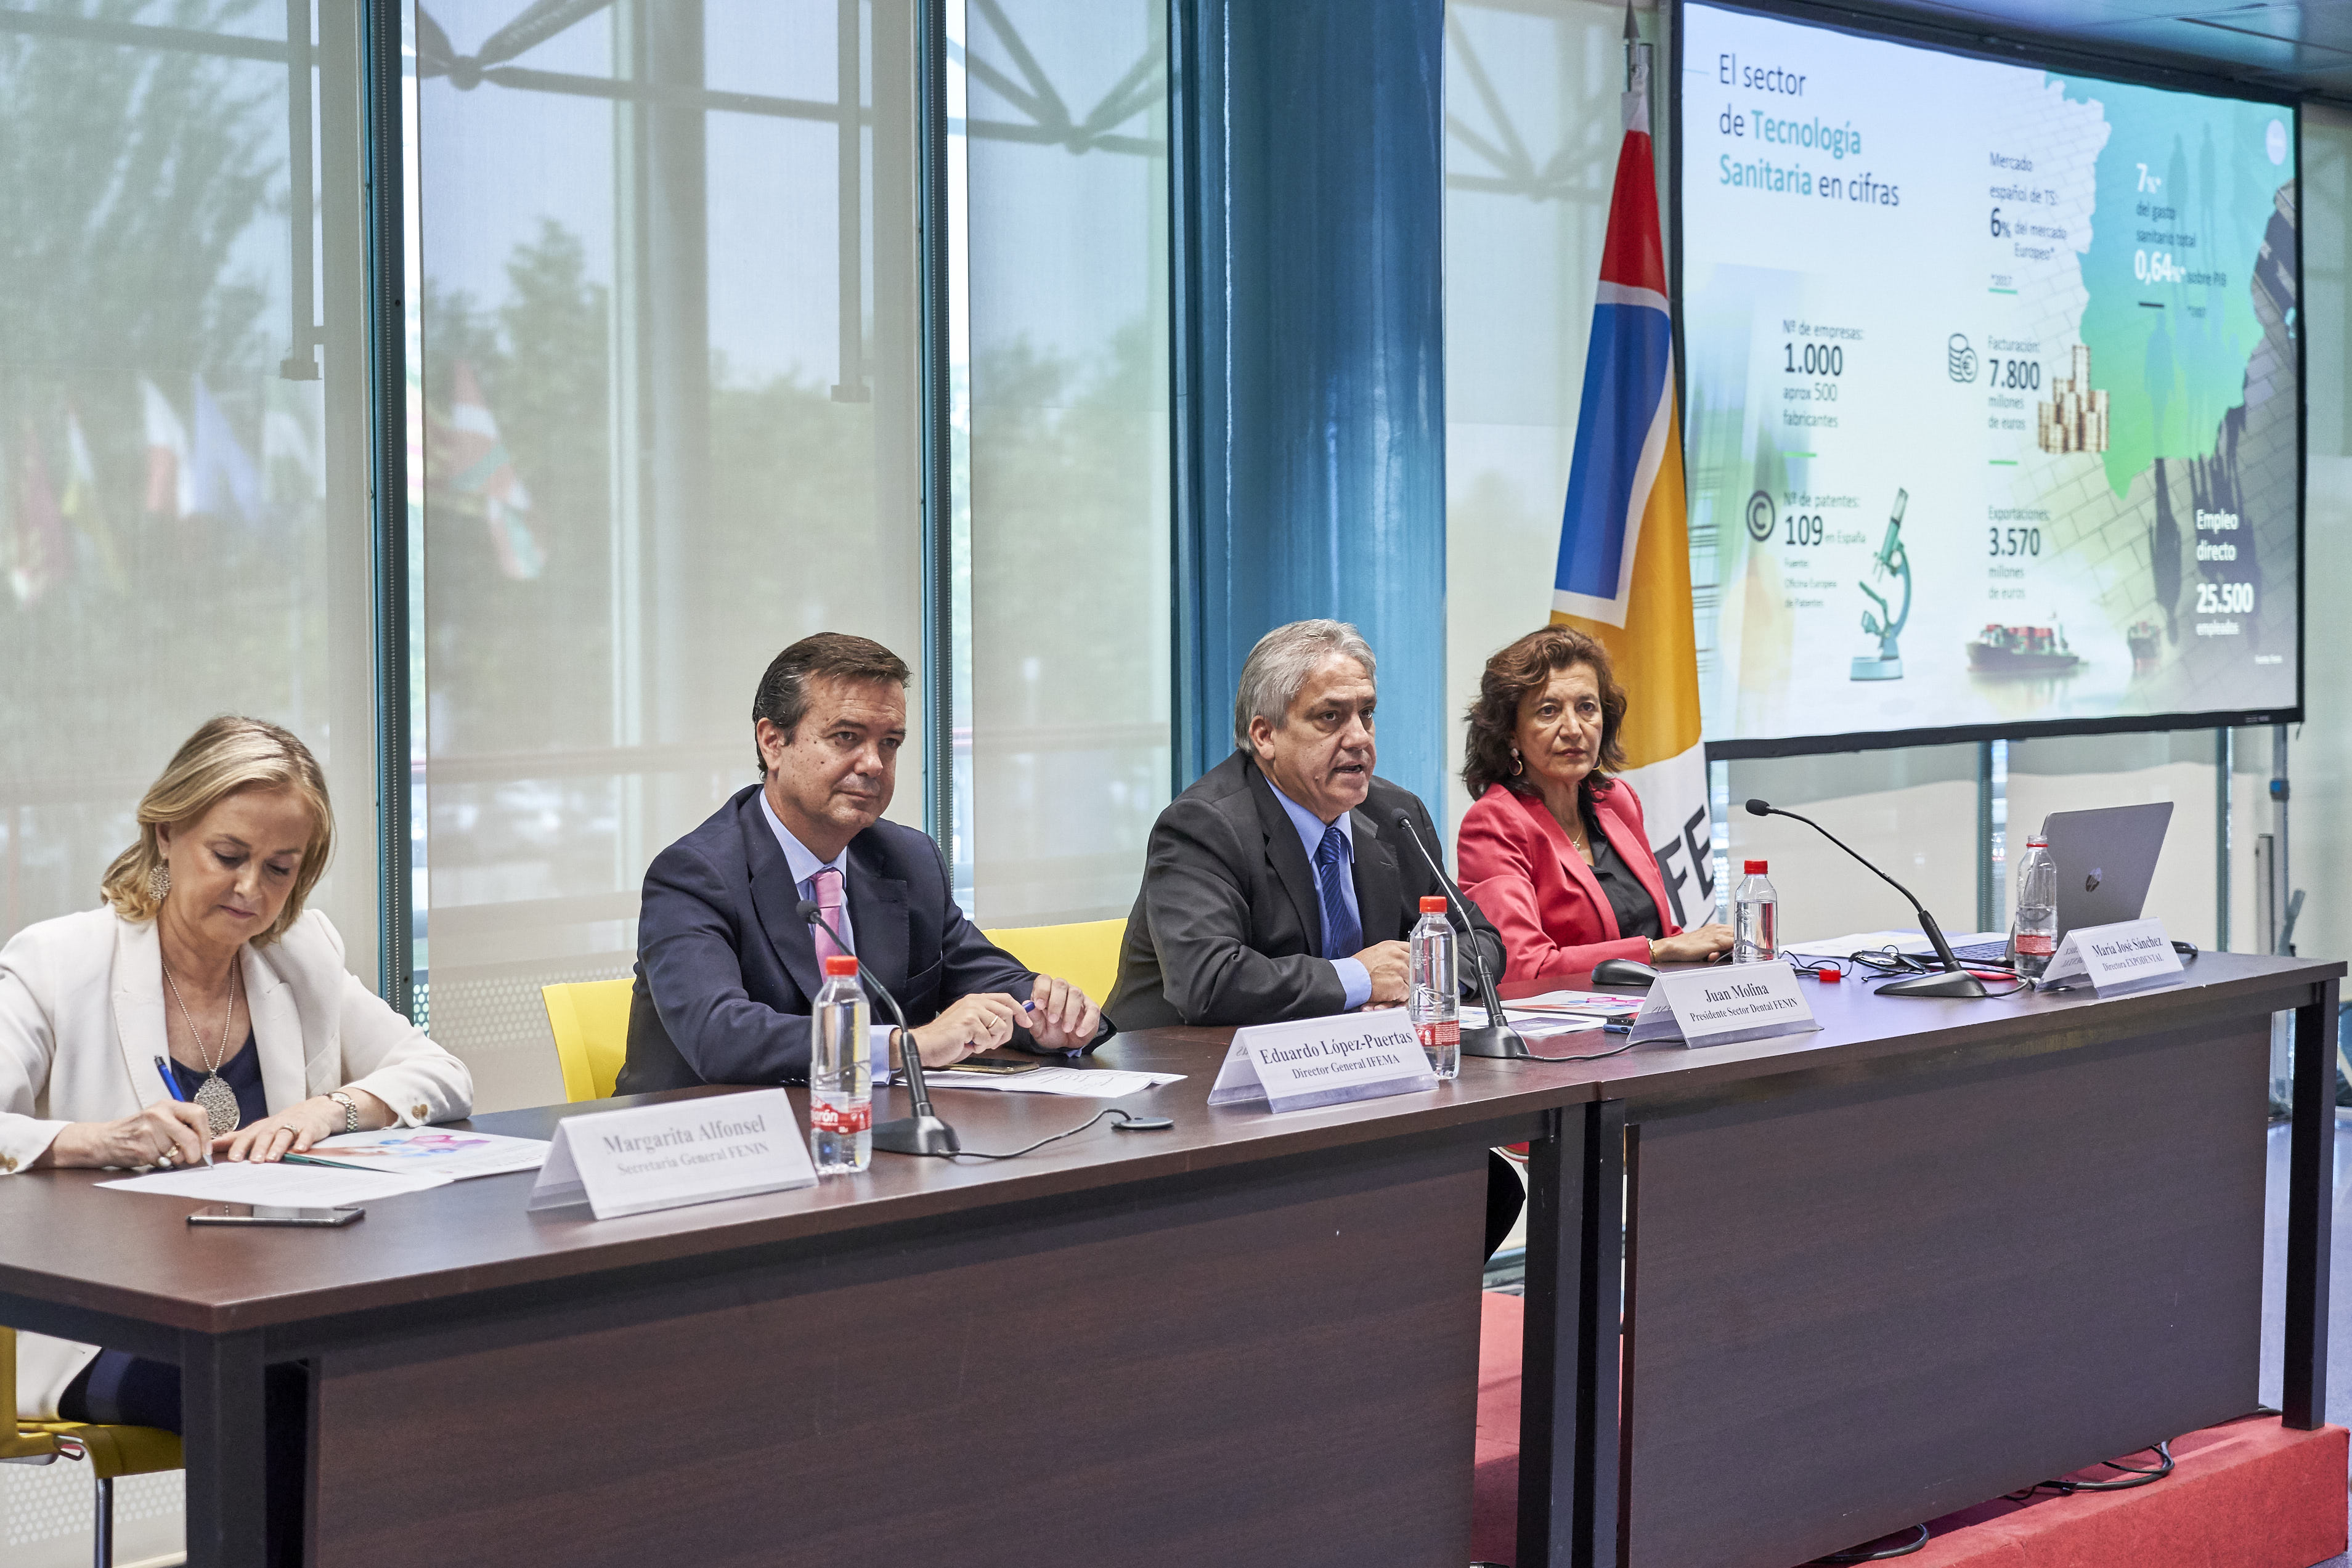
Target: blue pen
point(171, 1082)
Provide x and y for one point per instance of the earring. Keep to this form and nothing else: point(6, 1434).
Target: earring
point(159, 881)
point(1519, 763)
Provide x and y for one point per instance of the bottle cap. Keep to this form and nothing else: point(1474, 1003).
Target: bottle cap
point(2036, 841)
point(1756, 868)
point(841, 964)
point(1433, 905)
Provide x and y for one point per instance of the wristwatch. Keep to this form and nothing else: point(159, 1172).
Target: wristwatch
point(350, 1110)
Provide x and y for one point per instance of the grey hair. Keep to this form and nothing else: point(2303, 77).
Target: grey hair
point(1277, 668)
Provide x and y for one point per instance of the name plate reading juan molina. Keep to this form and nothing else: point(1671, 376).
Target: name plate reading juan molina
point(2118, 957)
point(1723, 1005)
point(1323, 1061)
point(667, 1157)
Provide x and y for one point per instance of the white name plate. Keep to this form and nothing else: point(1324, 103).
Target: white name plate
point(1723, 1005)
point(667, 1157)
point(1323, 1061)
point(2115, 957)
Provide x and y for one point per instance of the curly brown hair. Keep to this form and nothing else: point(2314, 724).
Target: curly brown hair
point(1528, 666)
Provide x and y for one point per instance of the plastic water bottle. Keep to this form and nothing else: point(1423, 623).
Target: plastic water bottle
point(1436, 1005)
point(2033, 930)
point(841, 1074)
point(1755, 917)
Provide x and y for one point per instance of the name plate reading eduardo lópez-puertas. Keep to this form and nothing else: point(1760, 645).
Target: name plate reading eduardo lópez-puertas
point(2124, 957)
point(1323, 1061)
point(667, 1157)
point(1724, 1005)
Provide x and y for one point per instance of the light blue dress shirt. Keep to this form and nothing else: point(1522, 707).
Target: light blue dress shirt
point(1354, 975)
point(804, 865)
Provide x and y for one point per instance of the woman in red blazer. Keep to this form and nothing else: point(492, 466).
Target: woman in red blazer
point(1553, 848)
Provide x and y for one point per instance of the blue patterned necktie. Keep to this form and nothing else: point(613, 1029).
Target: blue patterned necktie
point(1343, 936)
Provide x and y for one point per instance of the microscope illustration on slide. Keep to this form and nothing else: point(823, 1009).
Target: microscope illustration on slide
point(1890, 563)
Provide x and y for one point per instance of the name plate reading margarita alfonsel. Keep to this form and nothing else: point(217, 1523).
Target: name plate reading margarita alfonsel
point(667, 1157)
point(2124, 957)
point(1323, 1061)
point(1722, 1005)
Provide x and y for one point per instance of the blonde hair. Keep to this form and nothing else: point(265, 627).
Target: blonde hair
point(225, 755)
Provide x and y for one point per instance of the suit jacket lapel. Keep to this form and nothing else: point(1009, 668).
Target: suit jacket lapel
point(1579, 873)
point(878, 916)
point(138, 997)
point(1288, 857)
point(1379, 887)
point(776, 898)
point(277, 1035)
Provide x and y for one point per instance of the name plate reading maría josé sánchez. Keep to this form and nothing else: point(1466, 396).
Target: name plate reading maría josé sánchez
point(667, 1157)
point(1323, 1061)
point(1724, 1005)
point(2124, 957)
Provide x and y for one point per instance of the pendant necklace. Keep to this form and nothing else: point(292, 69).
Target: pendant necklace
point(216, 1096)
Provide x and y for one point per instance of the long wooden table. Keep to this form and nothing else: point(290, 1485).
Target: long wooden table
point(1935, 1251)
point(1250, 1339)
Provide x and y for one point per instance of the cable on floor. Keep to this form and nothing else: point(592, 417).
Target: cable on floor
point(1856, 1554)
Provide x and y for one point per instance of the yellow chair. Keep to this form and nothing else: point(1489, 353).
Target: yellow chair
point(1085, 954)
point(591, 1020)
point(109, 1451)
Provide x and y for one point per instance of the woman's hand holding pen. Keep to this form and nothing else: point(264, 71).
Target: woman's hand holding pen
point(170, 1133)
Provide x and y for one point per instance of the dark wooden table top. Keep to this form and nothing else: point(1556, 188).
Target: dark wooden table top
point(1860, 1029)
point(67, 1244)
point(64, 1241)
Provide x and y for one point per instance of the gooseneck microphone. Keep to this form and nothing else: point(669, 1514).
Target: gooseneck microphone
point(1955, 980)
point(1498, 1039)
point(920, 1133)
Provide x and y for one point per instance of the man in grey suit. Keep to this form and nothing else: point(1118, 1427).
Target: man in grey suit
point(1277, 886)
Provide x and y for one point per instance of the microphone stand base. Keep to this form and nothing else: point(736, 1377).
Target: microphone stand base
point(1496, 1041)
point(917, 1135)
point(1941, 983)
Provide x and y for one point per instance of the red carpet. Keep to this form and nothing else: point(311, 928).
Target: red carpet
point(2250, 1494)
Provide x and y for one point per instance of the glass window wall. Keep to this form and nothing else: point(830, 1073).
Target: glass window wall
point(671, 416)
point(1063, 553)
point(184, 526)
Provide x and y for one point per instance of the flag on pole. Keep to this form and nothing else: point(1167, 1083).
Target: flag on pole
point(221, 479)
point(38, 562)
point(469, 458)
point(81, 505)
point(1623, 576)
point(168, 480)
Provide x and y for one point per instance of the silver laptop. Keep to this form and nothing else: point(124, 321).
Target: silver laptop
point(2106, 859)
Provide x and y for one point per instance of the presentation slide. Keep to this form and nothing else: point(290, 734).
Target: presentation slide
point(1991, 383)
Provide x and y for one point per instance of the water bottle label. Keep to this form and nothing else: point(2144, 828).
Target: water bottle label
point(1437, 1036)
point(2036, 943)
point(825, 1118)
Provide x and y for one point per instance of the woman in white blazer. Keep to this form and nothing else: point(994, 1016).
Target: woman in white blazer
point(202, 963)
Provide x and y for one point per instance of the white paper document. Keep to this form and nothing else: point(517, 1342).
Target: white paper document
point(453, 1151)
point(297, 1186)
point(1534, 1025)
point(1094, 1084)
point(1859, 942)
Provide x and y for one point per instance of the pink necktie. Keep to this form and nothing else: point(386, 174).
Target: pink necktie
point(828, 902)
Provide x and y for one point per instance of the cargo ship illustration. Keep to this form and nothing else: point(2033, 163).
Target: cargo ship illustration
point(2022, 650)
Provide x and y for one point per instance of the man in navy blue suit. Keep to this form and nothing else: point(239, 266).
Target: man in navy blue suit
point(726, 966)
